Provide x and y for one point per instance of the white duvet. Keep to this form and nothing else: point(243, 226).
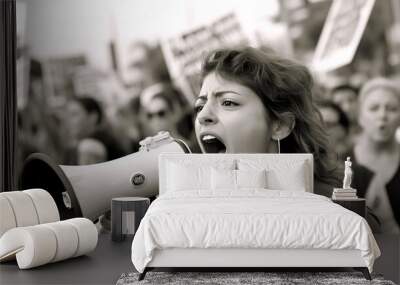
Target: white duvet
point(250, 219)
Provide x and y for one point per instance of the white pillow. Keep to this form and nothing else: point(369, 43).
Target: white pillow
point(186, 174)
point(223, 179)
point(251, 178)
point(281, 174)
point(293, 179)
point(226, 179)
point(182, 178)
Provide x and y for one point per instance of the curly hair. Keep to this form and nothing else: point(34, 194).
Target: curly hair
point(283, 86)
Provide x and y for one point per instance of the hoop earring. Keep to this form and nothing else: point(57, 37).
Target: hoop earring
point(279, 145)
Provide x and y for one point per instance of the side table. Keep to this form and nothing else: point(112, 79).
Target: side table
point(357, 205)
point(126, 214)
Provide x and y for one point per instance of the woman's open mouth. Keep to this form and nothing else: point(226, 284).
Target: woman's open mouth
point(212, 144)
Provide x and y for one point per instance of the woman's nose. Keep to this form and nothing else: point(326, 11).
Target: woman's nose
point(382, 114)
point(207, 115)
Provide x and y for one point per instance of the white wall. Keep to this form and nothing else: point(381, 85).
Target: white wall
point(68, 27)
point(60, 27)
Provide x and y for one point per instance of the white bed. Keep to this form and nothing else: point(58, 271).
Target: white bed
point(201, 219)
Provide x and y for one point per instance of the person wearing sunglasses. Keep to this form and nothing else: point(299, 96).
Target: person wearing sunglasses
point(164, 108)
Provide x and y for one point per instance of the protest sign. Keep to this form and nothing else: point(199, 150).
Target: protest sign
point(184, 53)
point(342, 33)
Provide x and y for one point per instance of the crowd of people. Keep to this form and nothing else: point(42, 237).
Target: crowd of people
point(85, 129)
point(250, 101)
point(363, 123)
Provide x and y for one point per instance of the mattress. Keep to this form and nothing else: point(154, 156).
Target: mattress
point(250, 219)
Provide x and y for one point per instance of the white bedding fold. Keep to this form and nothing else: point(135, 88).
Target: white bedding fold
point(250, 219)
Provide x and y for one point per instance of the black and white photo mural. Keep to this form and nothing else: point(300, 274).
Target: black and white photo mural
point(106, 88)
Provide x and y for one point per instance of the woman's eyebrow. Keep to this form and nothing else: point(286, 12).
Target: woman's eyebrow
point(201, 97)
point(222, 92)
point(218, 94)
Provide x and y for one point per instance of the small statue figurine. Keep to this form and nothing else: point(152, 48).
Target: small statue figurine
point(348, 174)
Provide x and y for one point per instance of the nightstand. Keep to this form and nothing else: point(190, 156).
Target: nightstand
point(356, 205)
point(126, 215)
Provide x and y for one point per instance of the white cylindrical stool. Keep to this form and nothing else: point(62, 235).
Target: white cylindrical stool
point(126, 214)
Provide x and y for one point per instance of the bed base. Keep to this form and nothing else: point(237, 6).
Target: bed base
point(250, 259)
point(363, 270)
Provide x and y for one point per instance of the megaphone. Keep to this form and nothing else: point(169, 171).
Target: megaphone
point(87, 190)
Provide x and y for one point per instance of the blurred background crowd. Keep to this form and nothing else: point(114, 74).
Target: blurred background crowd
point(96, 100)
